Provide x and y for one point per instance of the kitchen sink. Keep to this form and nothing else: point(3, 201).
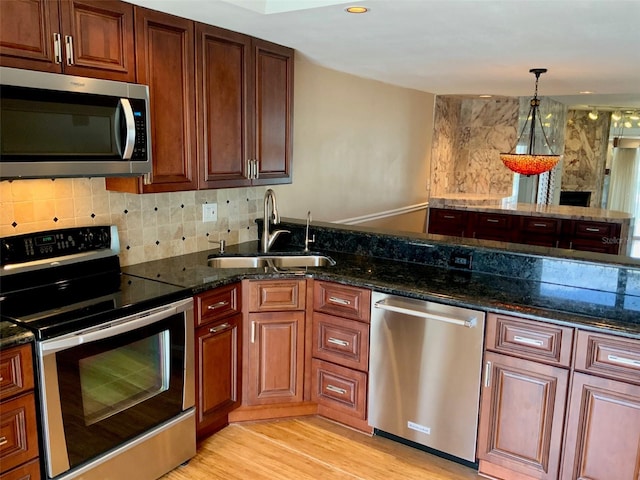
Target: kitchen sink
point(275, 261)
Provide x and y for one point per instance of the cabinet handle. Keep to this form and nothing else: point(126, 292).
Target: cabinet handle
point(256, 173)
point(341, 301)
point(337, 341)
point(337, 390)
point(487, 374)
point(571, 245)
point(219, 328)
point(449, 217)
point(68, 40)
point(492, 220)
point(253, 332)
point(591, 229)
point(3, 441)
point(57, 49)
point(557, 243)
point(249, 169)
point(623, 361)
point(528, 341)
point(542, 225)
point(213, 306)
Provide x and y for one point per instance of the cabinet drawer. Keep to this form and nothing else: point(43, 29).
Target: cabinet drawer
point(540, 225)
point(529, 339)
point(16, 371)
point(18, 431)
point(217, 304)
point(28, 471)
point(341, 341)
point(447, 222)
point(583, 229)
point(609, 356)
point(339, 388)
point(277, 295)
point(342, 300)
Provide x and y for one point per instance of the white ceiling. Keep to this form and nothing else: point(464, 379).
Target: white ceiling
point(451, 47)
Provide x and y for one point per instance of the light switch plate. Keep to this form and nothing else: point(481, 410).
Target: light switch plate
point(209, 212)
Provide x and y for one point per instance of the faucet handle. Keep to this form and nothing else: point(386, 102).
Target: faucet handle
point(222, 244)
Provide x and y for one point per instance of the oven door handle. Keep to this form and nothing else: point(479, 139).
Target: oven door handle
point(110, 329)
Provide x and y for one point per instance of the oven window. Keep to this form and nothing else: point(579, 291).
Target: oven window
point(115, 380)
point(117, 388)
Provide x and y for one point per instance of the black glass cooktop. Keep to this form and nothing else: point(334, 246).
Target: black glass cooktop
point(59, 301)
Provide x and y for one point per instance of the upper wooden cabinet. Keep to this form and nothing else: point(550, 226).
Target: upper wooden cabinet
point(76, 37)
point(221, 106)
point(244, 97)
point(165, 62)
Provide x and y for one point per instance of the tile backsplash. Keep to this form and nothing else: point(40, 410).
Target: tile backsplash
point(151, 226)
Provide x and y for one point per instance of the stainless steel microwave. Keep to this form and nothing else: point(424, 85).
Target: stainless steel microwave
point(55, 125)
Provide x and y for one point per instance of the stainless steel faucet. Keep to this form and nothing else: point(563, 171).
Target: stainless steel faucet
point(308, 240)
point(270, 217)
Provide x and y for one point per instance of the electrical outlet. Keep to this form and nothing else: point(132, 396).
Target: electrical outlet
point(460, 260)
point(209, 212)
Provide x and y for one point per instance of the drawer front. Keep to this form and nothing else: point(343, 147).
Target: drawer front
point(608, 355)
point(540, 225)
point(217, 304)
point(594, 229)
point(339, 388)
point(489, 222)
point(342, 300)
point(28, 471)
point(341, 341)
point(529, 339)
point(18, 433)
point(447, 222)
point(277, 295)
point(16, 371)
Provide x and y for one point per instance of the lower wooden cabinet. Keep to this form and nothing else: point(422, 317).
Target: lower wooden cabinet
point(18, 422)
point(218, 351)
point(521, 418)
point(275, 373)
point(603, 430)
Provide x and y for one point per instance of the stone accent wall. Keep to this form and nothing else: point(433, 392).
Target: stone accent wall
point(585, 154)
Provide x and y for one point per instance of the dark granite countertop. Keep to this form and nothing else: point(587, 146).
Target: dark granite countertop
point(12, 335)
point(566, 304)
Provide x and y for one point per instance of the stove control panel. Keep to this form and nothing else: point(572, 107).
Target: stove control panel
point(56, 243)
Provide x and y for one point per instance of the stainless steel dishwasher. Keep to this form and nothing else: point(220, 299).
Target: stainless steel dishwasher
point(425, 373)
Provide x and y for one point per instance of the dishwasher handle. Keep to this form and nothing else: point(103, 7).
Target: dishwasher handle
point(385, 305)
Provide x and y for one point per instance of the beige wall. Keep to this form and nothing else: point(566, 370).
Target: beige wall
point(359, 147)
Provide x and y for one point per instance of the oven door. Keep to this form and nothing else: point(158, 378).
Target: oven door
point(107, 385)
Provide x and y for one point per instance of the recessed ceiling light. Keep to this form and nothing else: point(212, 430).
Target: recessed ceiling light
point(485, 96)
point(586, 92)
point(356, 9)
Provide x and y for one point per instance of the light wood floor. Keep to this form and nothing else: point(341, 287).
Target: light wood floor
point(310, 448)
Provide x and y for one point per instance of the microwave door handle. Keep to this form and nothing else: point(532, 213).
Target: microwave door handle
point(125, 114)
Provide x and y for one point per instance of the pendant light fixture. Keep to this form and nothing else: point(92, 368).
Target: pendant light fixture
point(531, 163)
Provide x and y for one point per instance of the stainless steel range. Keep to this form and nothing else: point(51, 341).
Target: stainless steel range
point(114, 355)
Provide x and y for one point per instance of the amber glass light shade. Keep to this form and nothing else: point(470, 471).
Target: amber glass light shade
point(527, 164)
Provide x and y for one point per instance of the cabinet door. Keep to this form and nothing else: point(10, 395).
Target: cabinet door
point(521, 418)
point(218, 359)
point(26, 34)
point(276, 358)
point(164, 61)
point(603, 430)
point(98, 36)
point(223, 69)
point(273, 96)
